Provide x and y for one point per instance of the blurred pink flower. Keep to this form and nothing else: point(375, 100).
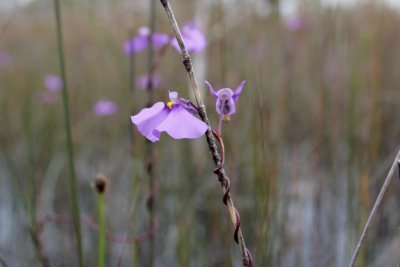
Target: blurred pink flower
point(5, 60)
point(139, 42)
point(193, 37)
point(104, 108)
point(295, 24)
point(53, 83)
point(143, 81)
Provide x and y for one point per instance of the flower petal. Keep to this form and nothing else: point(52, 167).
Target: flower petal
point(193, 37)
point(160, 39)
point(104, 108)
point(180, 123)
point(142, 82)
point(225, 106)
point(238, 91)
point(135, 44)
point(173, 96)
point(212, 91)
point(149, 118)
point(53, 82)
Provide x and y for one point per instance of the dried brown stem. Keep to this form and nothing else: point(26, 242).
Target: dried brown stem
point(374, 210)
point(218, 160)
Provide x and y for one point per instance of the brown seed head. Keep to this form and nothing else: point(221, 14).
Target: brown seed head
point(101, 183)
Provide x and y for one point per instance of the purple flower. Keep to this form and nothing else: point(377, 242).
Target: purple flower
point(193, 37)
point(53, 83)
point(176, 118)
point(226, 99)
point(141, 41)
point(295, 24)
point(104, 108)
point(143, 81)
point(5, 60)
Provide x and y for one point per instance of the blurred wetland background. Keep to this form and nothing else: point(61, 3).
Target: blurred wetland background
point(315, 132)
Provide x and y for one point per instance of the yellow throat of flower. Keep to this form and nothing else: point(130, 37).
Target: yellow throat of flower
point(169, 104)
point(226, 118)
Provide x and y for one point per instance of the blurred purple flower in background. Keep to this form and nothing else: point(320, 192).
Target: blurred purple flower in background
point(176, 118)
point(5, 60)
point(193, 37)
point(143, 81)
point(139, 42)
point(104, 108)
point(295, 24)
point(226, 99)
point(53, 83)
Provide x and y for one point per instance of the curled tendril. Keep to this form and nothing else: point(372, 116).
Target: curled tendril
point(226, 182)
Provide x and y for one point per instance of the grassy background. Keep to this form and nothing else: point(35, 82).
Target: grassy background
point(314, 134)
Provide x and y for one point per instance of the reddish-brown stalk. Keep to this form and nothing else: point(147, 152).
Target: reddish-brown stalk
point(150, 147)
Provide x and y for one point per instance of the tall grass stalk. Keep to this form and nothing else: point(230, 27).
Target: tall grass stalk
point(30, 199)
point(31, 174)
point(374, 210)
point(102, 231)
point(72, 176)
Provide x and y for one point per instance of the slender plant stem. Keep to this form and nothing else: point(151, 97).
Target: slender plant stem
point(222, 177)
point(31, 203)
point(72, 176)
point(150, 147)
point(374, 210)
point(102, 231)
point(134, 177)
point(31, 174)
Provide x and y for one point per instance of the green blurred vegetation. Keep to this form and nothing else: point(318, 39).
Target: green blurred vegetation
point(314, 133)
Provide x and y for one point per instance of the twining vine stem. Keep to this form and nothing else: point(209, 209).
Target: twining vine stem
point(218, 160)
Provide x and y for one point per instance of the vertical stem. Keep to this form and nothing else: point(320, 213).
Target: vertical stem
point(374, 210)
point(132, 88)
point(151, 151)
point(31, 203)
point(31, 175)
point(72, 176)
point(102, 231)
